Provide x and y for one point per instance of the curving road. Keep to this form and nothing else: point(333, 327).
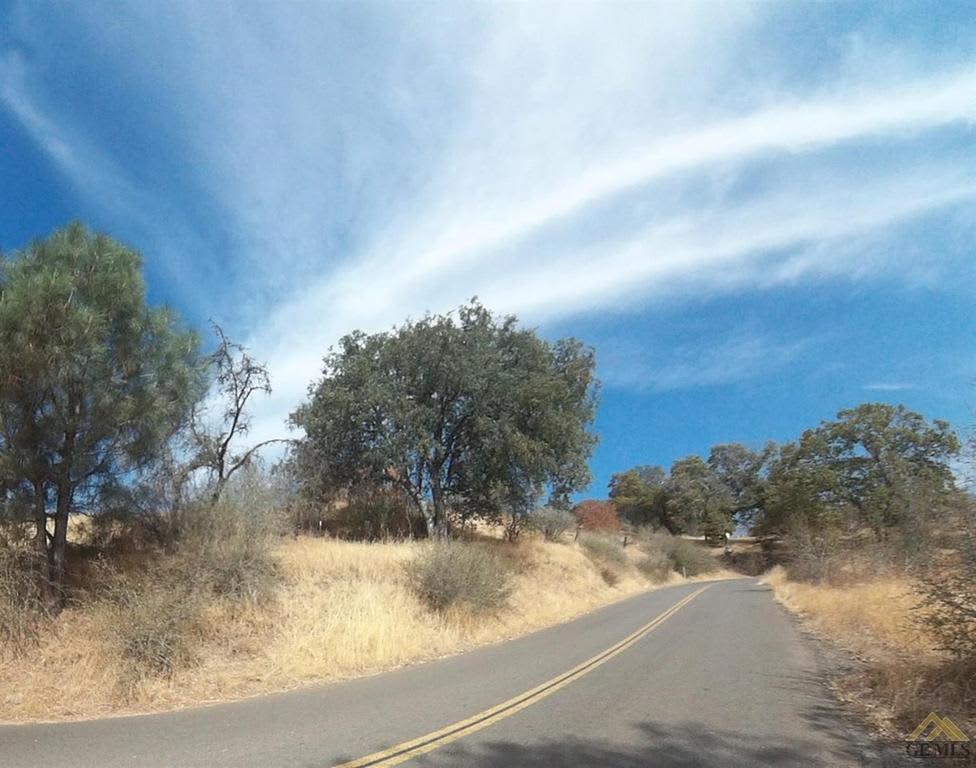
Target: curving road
point(683, 676)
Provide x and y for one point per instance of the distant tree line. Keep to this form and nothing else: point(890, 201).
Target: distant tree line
point(876, 467)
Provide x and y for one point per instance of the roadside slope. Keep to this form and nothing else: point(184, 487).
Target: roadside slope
point(726, 680)
point(343, 609)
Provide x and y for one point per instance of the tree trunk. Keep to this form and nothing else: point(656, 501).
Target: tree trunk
point(42, 564)
point(218, 490)
point(436, 517)
point(60, 541)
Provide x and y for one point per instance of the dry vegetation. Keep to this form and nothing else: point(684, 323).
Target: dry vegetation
point(145, 640)
point(902, 676)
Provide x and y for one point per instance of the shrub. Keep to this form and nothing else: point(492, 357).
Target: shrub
point(602, 548)
point(751, 563)
point(690, 559)
point(950, 591)
point(552, 523)
point(151, 621)
point(461, 574)
point(513, 523)
point(372, 513)
point(655, 566)
point(609, 576)
point(665, 553)
point(596, 515)
point(814, 553)
point(23, 613)
point(227, 547)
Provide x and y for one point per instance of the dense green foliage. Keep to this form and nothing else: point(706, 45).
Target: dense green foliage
point(467, 413)
point(640, 497)
point(697, 496)
point(877, 466)
point(92, 381)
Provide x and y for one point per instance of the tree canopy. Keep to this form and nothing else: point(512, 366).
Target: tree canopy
point(92, 380)
point(640, 496)
point(876, 465)
point(467, 412)
point(695, 495)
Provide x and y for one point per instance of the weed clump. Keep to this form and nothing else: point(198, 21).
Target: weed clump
point(460, 574)
point(603, 548)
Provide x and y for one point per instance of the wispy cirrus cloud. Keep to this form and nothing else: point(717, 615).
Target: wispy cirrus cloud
point(709, 363)
point(362, 165)
point(892, 386)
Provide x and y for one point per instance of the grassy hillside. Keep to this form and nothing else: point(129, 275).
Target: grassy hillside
point(900, 675)
point(338, 609)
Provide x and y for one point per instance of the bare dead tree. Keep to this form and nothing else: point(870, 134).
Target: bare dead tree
point(238, 378)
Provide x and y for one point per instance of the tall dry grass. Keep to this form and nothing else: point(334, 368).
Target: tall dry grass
point(902, 676)
point(341, 609)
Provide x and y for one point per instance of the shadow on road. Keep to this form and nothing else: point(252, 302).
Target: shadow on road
point(650, 745)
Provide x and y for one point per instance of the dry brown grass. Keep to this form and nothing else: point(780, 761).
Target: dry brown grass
point(342, 609)
point(902, 677)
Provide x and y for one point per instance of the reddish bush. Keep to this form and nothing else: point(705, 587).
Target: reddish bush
point(595, 515)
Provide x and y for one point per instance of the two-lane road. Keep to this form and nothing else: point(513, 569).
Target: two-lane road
point(683, 676)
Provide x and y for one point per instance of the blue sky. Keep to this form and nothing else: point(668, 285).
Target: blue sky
point(756, 213)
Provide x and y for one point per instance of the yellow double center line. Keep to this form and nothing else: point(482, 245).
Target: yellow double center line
point(436, 739)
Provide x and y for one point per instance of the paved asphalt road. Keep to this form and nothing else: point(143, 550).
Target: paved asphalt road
point(725, 680)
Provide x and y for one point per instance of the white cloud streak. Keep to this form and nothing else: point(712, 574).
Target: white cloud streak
point(888, 387)
point(553, 164)
point(798, 127)
point(707, 364)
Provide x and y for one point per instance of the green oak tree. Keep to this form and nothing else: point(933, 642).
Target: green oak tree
point(92, 381)
point(877, 465)
point(742, 472)
point(641, 497)
point(468, 413)
point(698, 502)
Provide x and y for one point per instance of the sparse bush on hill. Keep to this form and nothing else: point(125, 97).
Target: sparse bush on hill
point(655, 566)
point(680, 555)
point(150, 620)
point(691, 559)
point(152, 616)
point(602, 548)
point(227, 548)
point(950, 595)
point(469, 576)
point(23, 614)
point(813, 552)
point(552, 523)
